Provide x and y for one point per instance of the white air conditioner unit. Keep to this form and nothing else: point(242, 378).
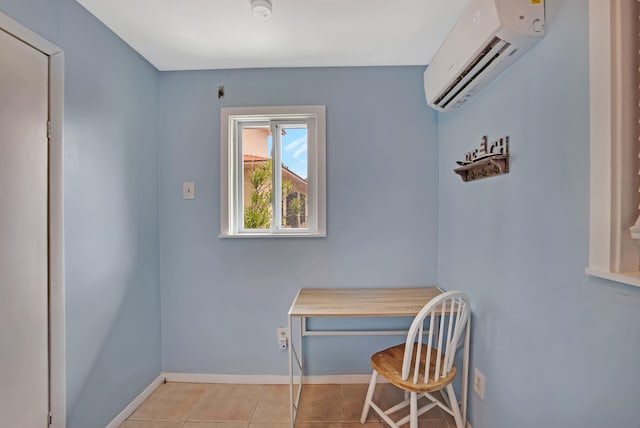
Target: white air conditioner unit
point(489, 37)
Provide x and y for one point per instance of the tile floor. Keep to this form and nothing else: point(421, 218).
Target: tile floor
point(198, 405)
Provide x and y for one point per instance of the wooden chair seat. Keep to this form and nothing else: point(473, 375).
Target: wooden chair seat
point(388, 363)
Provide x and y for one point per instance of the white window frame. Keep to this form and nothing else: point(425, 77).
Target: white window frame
point(231, 219)
point(613, 255)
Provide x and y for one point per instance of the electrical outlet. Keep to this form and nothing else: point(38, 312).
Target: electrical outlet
point(283, 336)
point(478, 383)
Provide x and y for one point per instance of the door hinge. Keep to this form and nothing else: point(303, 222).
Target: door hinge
point(48, 129)
point(50, 419)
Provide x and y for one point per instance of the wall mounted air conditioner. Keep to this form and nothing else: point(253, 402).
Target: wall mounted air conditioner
point(490, 36)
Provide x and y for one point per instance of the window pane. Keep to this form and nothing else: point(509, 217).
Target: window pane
point(294, 176)
point(256, 173)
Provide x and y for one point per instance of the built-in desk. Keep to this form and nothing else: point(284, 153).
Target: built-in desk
point(357, 302)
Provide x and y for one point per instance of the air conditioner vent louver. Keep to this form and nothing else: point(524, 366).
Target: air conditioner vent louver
point(491, 52)
point(489, 37)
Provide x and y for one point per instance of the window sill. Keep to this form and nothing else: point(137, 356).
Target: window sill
point(629, 278)
point(269, 235)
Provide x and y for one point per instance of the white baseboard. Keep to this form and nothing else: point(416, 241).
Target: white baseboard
point(264, 379)
point(115, 423)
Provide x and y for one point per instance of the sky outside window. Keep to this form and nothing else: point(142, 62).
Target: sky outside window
point(294, 150)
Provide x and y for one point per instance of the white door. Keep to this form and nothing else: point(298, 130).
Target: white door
point(24, 347)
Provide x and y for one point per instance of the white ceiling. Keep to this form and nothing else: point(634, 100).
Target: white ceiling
point(216, 34)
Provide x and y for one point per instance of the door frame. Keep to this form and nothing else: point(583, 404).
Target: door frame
point(57, 384)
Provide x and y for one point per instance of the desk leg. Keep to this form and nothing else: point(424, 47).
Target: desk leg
point(294, 398)
point(465, 371)
point(292, 414)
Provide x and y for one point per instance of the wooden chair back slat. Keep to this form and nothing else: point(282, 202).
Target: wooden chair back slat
point(448, 315)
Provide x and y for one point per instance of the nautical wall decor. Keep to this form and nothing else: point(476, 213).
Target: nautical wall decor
point(485, 161)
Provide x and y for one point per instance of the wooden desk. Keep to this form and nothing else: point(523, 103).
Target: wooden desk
point(358, 302)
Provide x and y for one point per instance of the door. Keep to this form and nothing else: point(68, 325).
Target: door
point(24, 340)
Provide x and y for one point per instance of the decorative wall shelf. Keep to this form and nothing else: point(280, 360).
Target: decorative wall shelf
point(486, 161)
point(483, 168)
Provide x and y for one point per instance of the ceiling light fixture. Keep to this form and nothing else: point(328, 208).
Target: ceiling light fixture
point(261, 8)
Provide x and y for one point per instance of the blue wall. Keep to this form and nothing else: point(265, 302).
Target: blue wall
point(111, 211)
point(222, 299)
point(558, 348)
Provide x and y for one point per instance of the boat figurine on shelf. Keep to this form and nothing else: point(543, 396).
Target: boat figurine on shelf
point(485, 161)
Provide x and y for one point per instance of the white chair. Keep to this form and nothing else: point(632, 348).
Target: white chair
point(405, 365)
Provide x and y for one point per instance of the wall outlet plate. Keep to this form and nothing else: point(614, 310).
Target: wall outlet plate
point(283, 337)
point(478, 383)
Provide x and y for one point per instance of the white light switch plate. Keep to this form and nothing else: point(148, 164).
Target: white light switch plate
point(188, 190)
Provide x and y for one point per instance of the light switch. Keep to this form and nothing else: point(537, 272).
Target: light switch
point(188, 190)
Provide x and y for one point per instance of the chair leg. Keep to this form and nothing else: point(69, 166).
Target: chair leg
point(413, 422)
point(454, 406)
point(369, 397)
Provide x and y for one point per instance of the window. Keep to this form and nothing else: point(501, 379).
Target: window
point(273, 171)
point(613, 48)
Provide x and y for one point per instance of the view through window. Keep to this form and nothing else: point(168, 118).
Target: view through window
point(288, 151)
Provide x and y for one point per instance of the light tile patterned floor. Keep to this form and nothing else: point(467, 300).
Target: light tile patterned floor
point(198, 405)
